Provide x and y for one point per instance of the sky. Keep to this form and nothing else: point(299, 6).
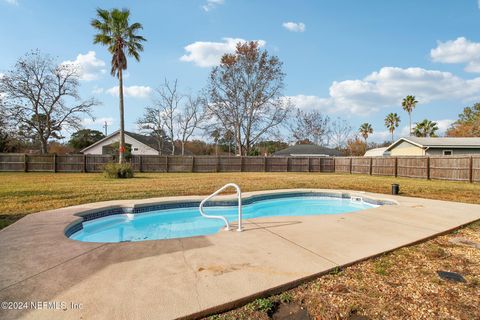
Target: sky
point(346, 58)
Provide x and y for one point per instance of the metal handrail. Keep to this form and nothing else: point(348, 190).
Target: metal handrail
point(239, 197)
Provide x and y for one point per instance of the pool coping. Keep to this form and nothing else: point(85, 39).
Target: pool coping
point(312, 246)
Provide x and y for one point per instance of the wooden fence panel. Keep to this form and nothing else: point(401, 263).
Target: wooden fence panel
point(276, 164)
point(314, 164)
point(40, 163)
point(95, 163)
point(12, 162)
point(327, 165)
point(230, 164)
point(154, 163)
point(412, 167)
point(361, 165)
point(205, 164)
point(342, 164)
point(69, 163)
point(450, 168)
point(298, 164)
point(383, 166)
point(476, 169)
point(180, 164)
point(253, 164)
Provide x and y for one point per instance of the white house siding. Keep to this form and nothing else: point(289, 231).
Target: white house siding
point(455, 151)
point(142, 149)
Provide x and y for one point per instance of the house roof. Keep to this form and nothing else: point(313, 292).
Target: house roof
point(447, 142)
point(375, 152)
point(146, 140)
point(307, 150)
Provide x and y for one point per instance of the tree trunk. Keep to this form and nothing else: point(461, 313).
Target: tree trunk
point(44, 146)
point(183, 148)
point(238, 141)
point(121, 148)
point(410, 117)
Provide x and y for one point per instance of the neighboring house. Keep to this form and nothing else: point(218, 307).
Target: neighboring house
point(307, 150)
point(141, 144)
point(377, 152)
point(413, 146)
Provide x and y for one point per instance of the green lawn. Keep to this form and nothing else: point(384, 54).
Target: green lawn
point(24, 193)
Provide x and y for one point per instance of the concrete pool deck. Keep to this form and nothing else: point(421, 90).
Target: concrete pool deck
point(192, 277)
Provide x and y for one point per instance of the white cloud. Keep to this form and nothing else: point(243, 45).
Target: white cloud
point(387, 87)
point(294, 26)
point(88, 65)
point(208, 54)
point(212, 4)
point(12, 2)
point(98, 121)
point(460, 50)
point(131, 91)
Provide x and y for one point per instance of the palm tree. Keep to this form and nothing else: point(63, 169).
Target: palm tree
point(409, 103)
point(121, 39)
point(365, 130)
point(392, 121)
point(426, 128)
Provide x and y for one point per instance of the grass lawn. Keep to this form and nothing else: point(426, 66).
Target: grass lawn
point(24, 193)
point(399, 285)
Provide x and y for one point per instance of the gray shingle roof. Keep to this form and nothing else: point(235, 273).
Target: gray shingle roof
point(307, 149)
point(444, 142)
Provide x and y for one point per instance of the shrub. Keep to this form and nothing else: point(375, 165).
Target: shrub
point(118, 170)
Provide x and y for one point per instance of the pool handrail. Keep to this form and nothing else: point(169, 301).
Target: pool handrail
point(239, 198)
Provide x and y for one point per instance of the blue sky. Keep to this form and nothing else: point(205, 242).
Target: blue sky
point(348, 58)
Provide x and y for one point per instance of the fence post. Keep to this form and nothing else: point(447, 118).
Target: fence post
point(470, 170)
point(54, 162)
point(84, 168)
point(166, 163)
point(350, 166)
point(25, 162)
point(428, 168)
point(218, 164)
point(396, 167)
point(241, 164)
point(371, 164)
point(264, 164)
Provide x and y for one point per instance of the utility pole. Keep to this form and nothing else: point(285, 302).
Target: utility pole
point(105, 126)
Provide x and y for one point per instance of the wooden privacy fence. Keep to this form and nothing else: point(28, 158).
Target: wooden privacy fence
point(154, 163)
point(458, 168)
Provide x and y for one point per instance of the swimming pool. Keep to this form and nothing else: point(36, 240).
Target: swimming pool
point(186, 221)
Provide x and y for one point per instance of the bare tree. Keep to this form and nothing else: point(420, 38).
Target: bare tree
point(42, 97)
point(312, 126)
point(245, 93)
point(152, 123)
point(189, 118)
point(340, 132)
point(167, 103)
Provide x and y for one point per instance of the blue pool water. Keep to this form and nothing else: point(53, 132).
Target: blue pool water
point(187, 222)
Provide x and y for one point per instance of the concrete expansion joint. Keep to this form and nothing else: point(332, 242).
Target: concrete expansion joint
point(197, 295)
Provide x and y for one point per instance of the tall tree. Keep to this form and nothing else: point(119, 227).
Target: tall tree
point(190, 118)
point(152, 124)
point(312, 126)
point(84, 138)
point(42, 97)
point(365, 130)
point(215, 135)
point(167, 104)
point(409, 103)
point(245, 93)
point(426, 128)
point(468, 123)
point(122, 39)
point(341, 131)
point(392, 120)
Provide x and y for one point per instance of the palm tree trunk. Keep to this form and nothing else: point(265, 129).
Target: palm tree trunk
point(410, 117)
point(121, 149)
point(392, 136)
